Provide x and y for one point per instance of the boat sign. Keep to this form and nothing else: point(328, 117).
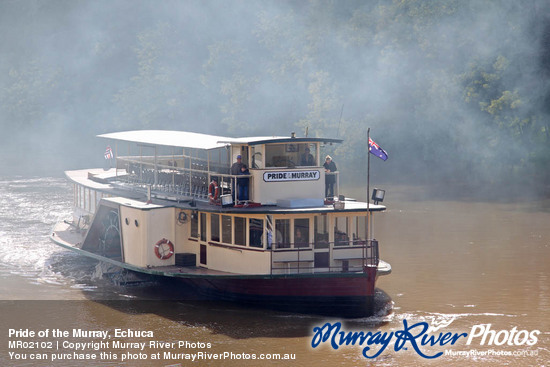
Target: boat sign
point(278, 176)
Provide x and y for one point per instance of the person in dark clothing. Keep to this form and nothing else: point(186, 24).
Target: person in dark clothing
point(243, 183)
point(235, 171)
point(330, 178)
point(236, 167)
point(307, 158)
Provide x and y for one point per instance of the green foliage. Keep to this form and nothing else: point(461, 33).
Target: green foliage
point(27, 92)
point(452, 89)
point(157, 92)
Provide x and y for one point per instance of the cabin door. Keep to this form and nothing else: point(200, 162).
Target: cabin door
point(321, 243)
point(203, 259)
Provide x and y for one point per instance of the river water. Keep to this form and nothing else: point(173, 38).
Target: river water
point(458, 266)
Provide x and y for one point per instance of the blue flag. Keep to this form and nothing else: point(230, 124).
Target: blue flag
point(377, 151)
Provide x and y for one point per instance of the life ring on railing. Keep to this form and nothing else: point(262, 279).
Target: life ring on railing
point(164, 249)
point(213, 191)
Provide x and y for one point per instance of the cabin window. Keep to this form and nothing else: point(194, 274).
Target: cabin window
point(290, 155)
point(256, 159)
point(227, 229)
point(255, 232)
point(194, 225)
point(301, 232)
point(307, 154)
point(215, 227)
point(240, 231)
point(282, 233)
point(219, 160)
point(320, 225)
point(360, 230)
point(94, 201)
point(81, 197)
point(282, 155)
point(77, 195)
point(86, 199)
point(203, 226)
point(341, 231)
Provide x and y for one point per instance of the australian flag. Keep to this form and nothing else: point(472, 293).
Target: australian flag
point(377, 151)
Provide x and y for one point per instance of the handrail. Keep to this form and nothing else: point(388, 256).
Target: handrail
point(186, 181)
point(369, 257)
point(190, 179)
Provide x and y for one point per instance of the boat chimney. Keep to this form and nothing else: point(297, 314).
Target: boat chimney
point(293, 135)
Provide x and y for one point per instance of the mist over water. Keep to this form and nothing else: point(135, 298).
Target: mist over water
point(454, 91)
point(457, 93)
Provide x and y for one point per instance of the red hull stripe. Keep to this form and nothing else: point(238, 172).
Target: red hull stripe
point(360, 286)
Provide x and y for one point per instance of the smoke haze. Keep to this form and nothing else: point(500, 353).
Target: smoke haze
point(454, 91)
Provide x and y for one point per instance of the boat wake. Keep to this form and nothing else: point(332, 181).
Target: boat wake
point(29, 207)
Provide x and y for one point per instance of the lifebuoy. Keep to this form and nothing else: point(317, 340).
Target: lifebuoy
point(213, 192)
point(164, 249)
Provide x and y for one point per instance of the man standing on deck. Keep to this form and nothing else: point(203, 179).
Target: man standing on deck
point(235, 170)
point(330, 178)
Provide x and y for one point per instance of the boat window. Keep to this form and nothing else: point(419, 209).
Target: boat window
point(341, 231)
point(194, 225)
point(93, 201)
point(86, 199)
point(240, 231)
point(282, 233)
point(219, 160)
point(256, 160)
point(256, 231)
point(77, 196)
point(215, 227)
point(281, 155)
point(226, 229)
point(359, 230)
point(307, 154)
point(301, 232)
point(290, 155)
point(321, 231)
point(203, 226)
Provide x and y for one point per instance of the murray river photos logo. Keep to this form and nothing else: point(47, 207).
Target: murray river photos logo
point(416, 336)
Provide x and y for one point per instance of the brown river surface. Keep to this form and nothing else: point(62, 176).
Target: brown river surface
point(458, 266)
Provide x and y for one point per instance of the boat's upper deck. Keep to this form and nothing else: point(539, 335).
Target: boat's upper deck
point(111, 183)
point(284, 173)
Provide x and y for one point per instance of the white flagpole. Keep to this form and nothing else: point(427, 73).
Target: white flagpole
point(368, 191)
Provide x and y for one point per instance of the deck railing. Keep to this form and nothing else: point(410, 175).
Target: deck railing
point(296, 258)
point(186, 177)
point(168, 177)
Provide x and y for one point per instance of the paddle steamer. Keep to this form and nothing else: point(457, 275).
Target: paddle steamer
point(170, 207)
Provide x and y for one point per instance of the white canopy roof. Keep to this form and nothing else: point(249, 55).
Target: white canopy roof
point(195, 140)
point(170, 138)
